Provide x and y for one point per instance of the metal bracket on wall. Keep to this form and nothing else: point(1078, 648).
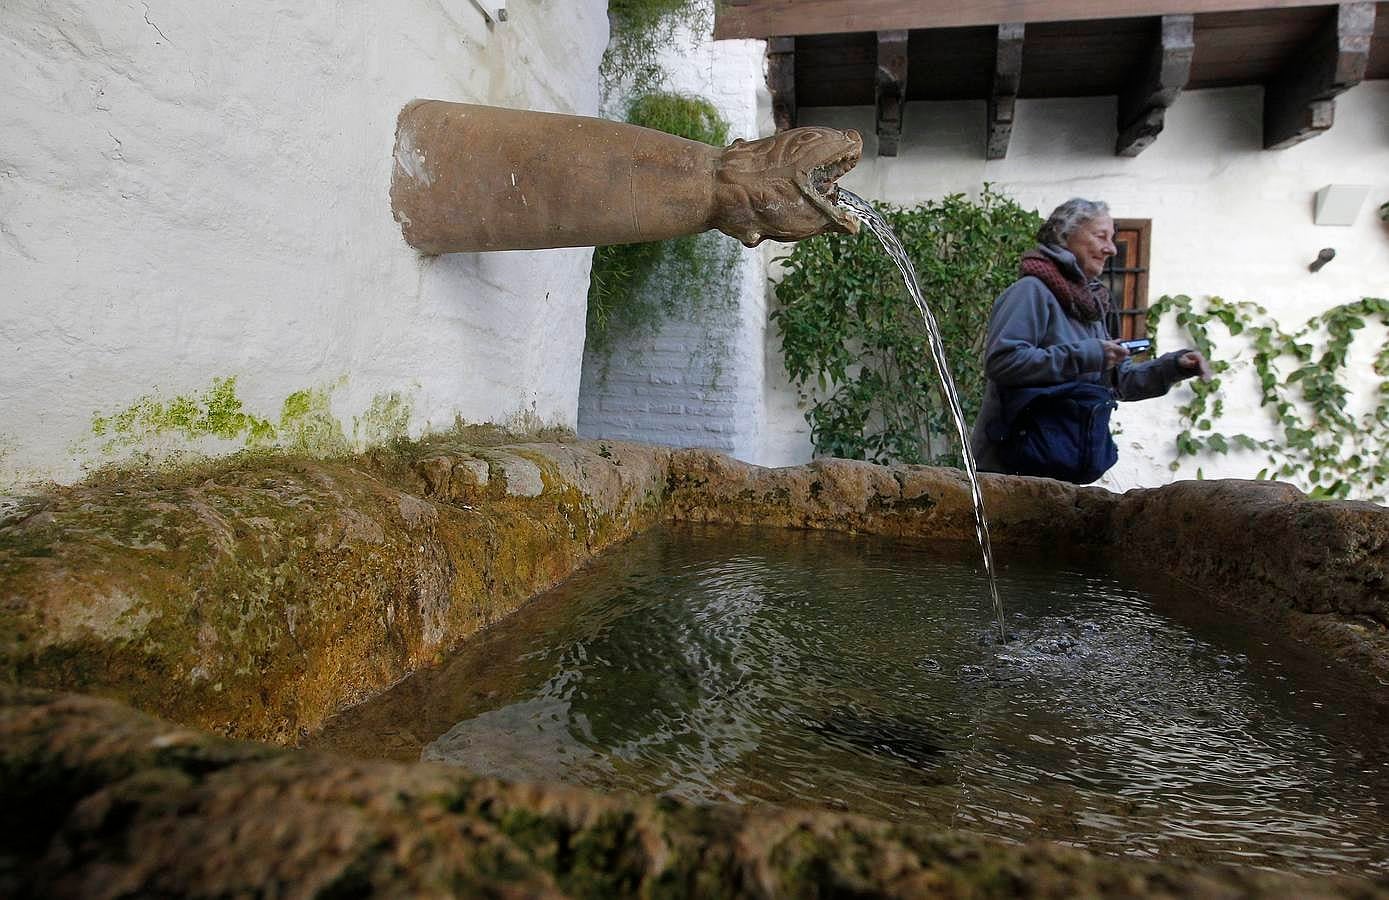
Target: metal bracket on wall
point(1323, 257)
point(492, 11)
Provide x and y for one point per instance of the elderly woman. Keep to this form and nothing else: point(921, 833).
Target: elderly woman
point(1053, 369)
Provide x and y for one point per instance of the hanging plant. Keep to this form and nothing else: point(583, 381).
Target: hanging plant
point(639, 30)
point(635, 288)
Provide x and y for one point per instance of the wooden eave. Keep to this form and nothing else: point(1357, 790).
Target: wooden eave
point(789, 18)
point(1305, 53)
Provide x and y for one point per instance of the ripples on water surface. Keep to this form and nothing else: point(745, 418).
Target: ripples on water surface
point(861, 674)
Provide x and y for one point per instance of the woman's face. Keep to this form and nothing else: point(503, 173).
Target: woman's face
point(1093, 243)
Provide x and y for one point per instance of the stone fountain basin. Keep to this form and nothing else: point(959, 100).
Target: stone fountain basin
point(256, 596)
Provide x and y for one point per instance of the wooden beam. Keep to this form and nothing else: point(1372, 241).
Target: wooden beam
point(1299, 103)
point(1143, 106)
point(781, 80)
point(772, 18)
point(891, 89)
point(1003, 95)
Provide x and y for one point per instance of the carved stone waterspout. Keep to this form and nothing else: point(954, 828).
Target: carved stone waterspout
point(471, 178)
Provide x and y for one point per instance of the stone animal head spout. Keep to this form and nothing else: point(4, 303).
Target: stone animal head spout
point(783, 187)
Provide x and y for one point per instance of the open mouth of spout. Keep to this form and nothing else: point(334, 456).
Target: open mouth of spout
point(824, 190)
point(823, 178)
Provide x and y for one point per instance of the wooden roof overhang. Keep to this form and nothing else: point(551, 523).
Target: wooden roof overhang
point(888, 52)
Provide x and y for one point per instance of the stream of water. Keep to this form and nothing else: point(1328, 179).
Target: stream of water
point(888, 238)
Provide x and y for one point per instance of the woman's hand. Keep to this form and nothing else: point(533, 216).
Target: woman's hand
point(1114, 353)
point(1192, 359)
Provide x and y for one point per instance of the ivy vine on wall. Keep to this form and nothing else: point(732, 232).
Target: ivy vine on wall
point(638, 32)
point(855, 345)
point(633, 288)
point(1323, 443)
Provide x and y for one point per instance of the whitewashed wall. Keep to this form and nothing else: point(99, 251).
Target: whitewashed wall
point(1229, 219)
point(698, 381)
point(198, 190)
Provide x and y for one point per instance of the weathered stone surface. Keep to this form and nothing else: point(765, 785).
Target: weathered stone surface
point(1321, 566)
point(105, 802)
point(522, 476)
point(1262, 538)
point(15, 508)
point(851, 495)
point(460, 476)
point(259, 596)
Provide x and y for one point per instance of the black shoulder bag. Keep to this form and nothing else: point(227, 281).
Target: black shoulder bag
point(1060, 431)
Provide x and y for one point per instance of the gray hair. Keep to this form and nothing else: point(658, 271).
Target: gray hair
point(1069, 216)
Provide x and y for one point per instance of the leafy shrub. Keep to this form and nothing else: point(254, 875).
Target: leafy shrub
point(856, 346)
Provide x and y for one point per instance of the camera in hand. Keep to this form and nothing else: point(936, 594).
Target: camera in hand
point(1137, 345)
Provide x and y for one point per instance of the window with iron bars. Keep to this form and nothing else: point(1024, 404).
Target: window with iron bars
point(1126, 276)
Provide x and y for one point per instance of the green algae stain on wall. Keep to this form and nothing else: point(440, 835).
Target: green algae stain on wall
point(10, 474)
point(154, 424)
point(386, 419)
point(307, 423)
point(216, 412)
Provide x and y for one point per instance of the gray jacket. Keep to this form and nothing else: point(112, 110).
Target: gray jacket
point(1033, 342)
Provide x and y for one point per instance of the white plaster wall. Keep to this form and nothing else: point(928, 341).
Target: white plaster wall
point(1229, 219)
point(697, 382)
point(198, 190)
point(785, 434)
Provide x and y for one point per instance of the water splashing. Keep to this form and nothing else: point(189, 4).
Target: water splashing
point(885, 235)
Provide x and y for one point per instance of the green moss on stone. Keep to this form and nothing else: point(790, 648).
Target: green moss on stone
point(540, 836)
point(605, 859)
point(251, 594)
point(919, 504)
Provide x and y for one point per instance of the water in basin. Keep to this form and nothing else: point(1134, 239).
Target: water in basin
point(1129, 715)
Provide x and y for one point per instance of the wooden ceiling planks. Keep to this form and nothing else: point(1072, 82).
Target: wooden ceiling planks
point(952, 63)
point(1249, 48)
point(1084, 59)
point(1378, 66)
point(1110, 56)
point(1069, 59)
point(779, 18)
point(836, 70)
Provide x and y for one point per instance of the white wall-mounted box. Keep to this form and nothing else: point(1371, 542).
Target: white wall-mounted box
point(1339, 204)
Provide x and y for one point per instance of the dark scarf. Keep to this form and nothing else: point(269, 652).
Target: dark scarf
point(1086, 302)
